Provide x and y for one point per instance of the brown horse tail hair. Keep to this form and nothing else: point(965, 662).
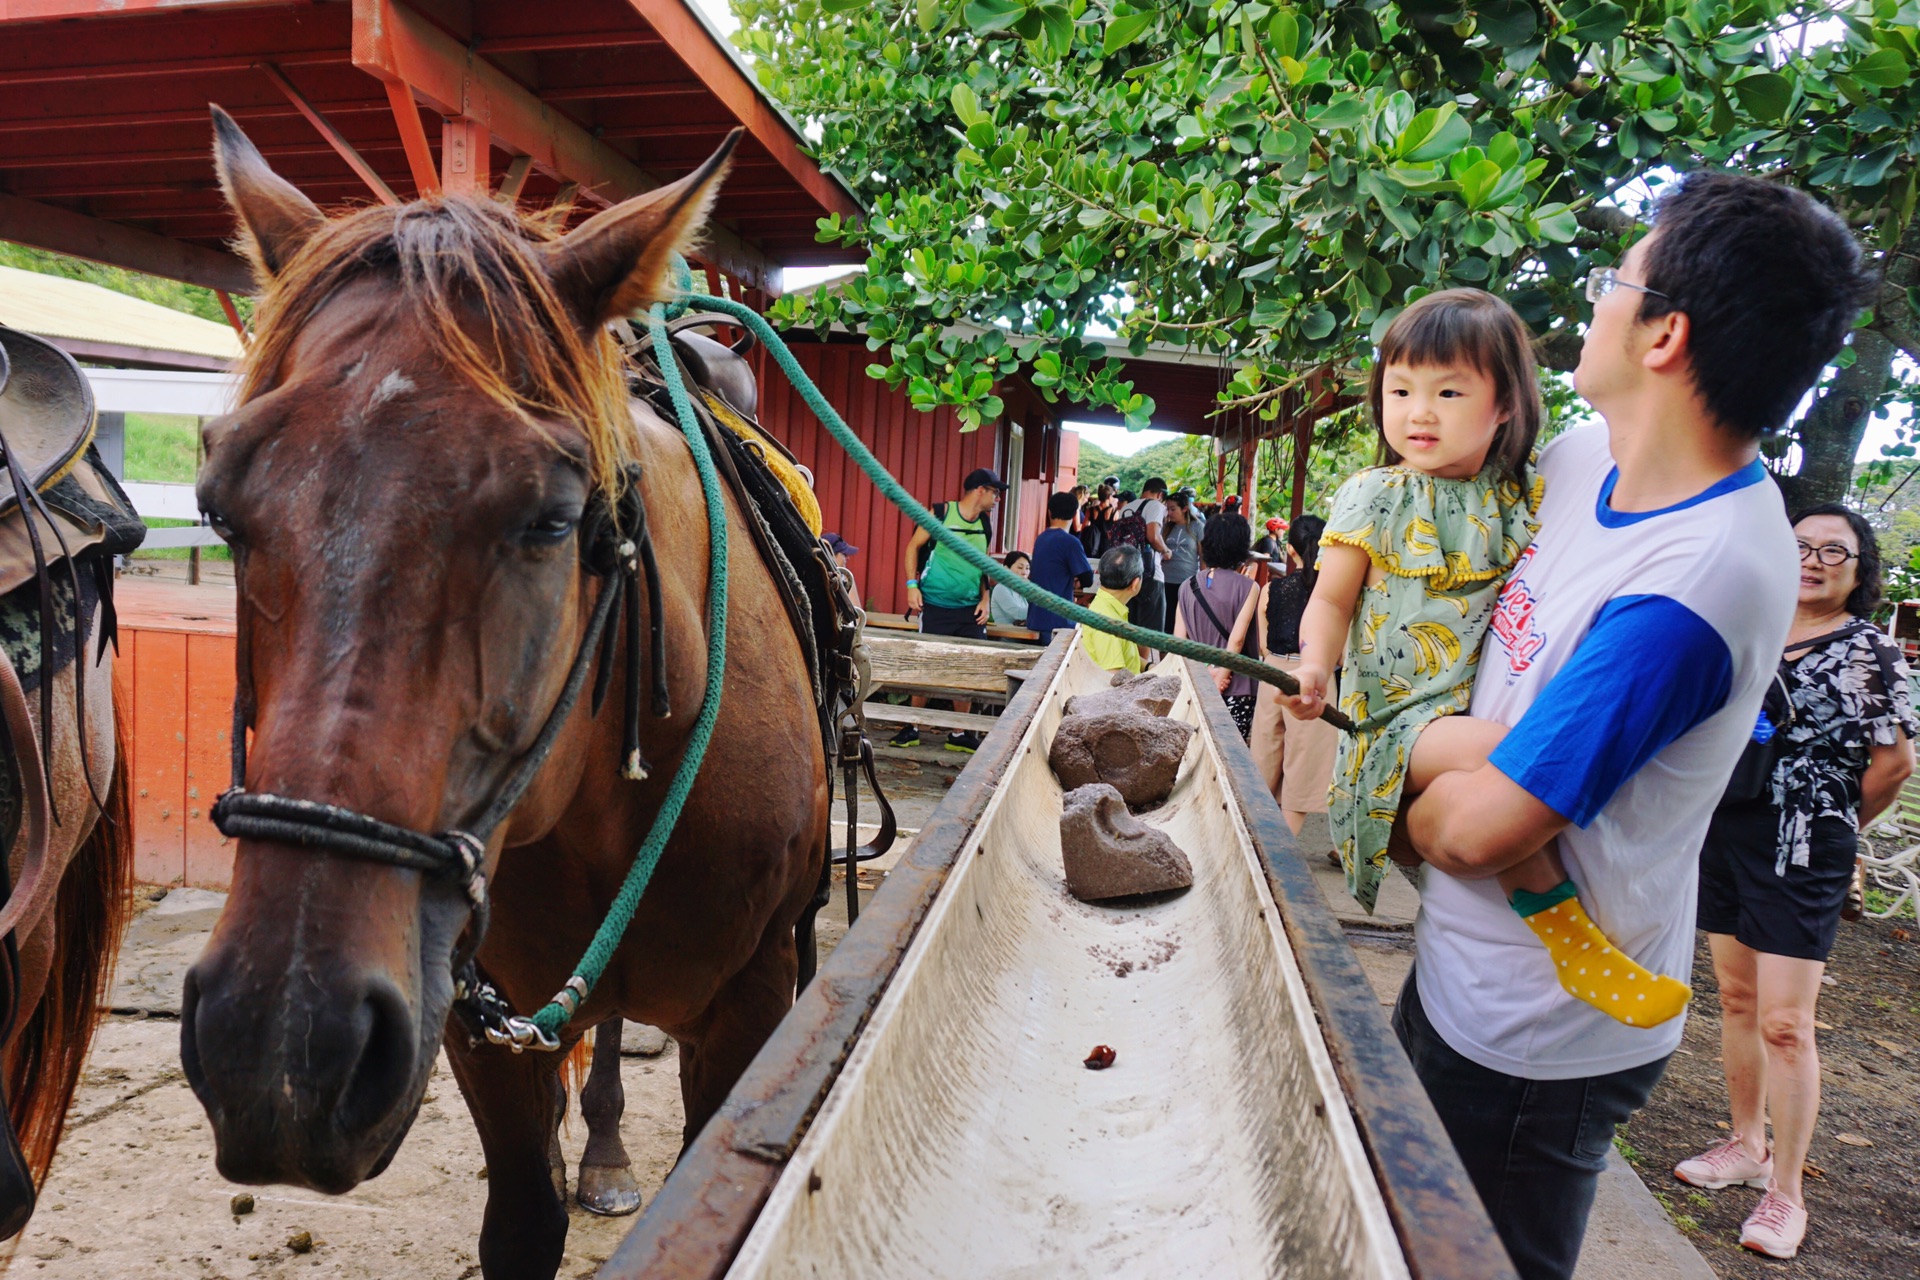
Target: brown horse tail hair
point(90, 914)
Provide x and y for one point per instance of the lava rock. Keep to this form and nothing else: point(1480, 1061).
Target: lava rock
point(1109, 853)
point(1137, 754)
point(1150, 695)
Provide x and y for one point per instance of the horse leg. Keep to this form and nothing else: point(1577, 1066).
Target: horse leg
point(511, 1097)
point(557, 1116)
point(607, 1185)
point(722, 1041)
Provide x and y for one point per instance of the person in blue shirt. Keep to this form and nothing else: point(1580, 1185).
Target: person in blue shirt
point(1059, 561)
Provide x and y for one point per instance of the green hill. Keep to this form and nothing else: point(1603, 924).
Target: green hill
point(1177, 462)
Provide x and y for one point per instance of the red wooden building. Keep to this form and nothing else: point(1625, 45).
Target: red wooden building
point(105, 154)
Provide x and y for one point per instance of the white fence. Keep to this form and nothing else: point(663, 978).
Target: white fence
point(203, 395)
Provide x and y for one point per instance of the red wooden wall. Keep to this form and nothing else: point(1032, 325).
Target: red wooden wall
point(175, 682)
point(926, 452)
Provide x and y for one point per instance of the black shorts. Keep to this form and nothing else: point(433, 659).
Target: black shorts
point(1795, 914)
point(939, 620)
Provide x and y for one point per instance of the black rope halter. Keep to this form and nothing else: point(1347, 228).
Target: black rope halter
point(618, 553)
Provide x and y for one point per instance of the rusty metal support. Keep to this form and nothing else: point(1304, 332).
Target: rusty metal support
point(233, 315)
point(334, 137)
point(413, 136)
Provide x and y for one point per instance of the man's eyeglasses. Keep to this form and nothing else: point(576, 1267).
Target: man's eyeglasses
point(1833, 555)
point(1604, 281)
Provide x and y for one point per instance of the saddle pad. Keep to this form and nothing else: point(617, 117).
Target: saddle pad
point(776, 459)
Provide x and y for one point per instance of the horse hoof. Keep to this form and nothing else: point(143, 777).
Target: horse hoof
point(609, 1192)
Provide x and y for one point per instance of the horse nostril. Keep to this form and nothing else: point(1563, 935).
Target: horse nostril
point(384, 1070)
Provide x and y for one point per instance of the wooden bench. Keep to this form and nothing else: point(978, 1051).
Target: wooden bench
point(900, 622)
point(944, 666)
point(928, 718)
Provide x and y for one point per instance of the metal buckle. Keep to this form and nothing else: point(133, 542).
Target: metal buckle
point(520, 1034)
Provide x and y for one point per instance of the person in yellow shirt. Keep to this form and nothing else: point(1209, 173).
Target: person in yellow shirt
point(1121, 570)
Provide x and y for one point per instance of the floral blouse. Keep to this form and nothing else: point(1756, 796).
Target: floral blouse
point(1842, 709)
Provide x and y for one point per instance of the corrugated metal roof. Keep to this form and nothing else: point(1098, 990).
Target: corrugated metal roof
point(56, 307)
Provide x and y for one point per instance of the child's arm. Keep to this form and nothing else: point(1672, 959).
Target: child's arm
point(1324, 624)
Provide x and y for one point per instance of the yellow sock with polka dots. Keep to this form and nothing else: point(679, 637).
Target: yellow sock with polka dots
point(1592, 969)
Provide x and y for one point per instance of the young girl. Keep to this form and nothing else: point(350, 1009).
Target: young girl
point(1412, 563)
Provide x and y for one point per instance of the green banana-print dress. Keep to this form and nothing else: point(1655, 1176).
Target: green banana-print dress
point(1445, 548)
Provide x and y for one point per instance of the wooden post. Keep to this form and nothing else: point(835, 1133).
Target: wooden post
point(1302, 447)
point(1249, 474)
point(463, 157)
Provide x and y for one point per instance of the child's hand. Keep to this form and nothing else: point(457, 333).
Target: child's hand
point(1312, 698)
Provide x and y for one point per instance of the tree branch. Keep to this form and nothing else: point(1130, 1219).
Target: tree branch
point(1607, 220)
point(1559, 350)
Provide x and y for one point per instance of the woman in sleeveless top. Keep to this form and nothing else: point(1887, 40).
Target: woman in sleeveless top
point(1215, 606)
point(1295, 756)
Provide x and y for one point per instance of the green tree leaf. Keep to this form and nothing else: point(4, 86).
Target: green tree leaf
point(1765, 95)
point(987, 16)
point(1123, 31)
point(1434, 134)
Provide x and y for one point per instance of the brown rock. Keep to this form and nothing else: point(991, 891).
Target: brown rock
point(1109, 853)
point(1150, 695)
point(1137, 754)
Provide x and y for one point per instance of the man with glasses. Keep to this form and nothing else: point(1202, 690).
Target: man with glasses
point(1654, 604)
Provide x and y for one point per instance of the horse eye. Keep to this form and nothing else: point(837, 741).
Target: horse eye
point(220, 525)
point(551, 528)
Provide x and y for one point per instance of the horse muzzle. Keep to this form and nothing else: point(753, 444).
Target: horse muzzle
point(313, 1083)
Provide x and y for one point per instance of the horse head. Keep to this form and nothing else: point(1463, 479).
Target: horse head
point(430, 407)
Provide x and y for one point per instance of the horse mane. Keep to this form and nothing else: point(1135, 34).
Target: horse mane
point(89, 916)
point(450, 260)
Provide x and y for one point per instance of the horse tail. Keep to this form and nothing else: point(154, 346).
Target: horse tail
point(90, 914)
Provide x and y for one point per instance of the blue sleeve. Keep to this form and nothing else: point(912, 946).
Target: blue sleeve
point(1077, 561)
point(1649, 670)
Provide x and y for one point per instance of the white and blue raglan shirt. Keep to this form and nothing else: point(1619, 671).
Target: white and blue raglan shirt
point(1629, 654)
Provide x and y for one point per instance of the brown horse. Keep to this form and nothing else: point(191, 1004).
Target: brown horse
point(430, 405)
point(69, 875)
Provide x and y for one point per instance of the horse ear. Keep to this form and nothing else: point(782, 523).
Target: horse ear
point(615, 263)
point(275, 219)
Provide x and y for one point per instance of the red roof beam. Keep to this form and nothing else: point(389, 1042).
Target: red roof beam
point(713, 64)
point(112, 152)
point(404, 51)
point(148, 69)
point(197, 115)
point(49, 10)
point(46, 227)
point(562, 41)
point(335, 139)
point(589, 92)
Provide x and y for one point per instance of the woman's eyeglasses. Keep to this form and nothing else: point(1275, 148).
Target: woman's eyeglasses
point(1604, 281)
point(1833, 555)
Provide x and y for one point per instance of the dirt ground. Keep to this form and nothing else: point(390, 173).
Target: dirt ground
point(1864, 1199)
point(134, 1195)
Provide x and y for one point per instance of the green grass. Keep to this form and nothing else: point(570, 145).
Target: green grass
point(1625, 1148)
point(162, 448)
point(1880, 900)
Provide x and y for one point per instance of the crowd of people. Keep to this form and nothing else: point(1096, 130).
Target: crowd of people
point(1604, 694)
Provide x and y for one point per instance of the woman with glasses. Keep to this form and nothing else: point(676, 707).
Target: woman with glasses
point(1834, 743)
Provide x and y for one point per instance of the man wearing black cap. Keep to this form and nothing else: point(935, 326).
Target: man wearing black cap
point(953, 598)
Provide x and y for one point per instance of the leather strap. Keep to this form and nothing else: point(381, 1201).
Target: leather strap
point(35, 892)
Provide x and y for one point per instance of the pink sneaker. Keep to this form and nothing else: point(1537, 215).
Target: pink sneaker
point(1727, 1165)
point(1775, 1227)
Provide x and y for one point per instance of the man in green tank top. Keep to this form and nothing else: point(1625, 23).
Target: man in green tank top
point(950, 595)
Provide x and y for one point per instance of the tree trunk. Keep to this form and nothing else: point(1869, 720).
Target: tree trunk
point(1830, 433)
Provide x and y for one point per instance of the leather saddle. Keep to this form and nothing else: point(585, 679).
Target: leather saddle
point(47, 418)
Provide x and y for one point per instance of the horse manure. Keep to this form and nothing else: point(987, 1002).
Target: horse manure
point(301, 1242)
point(242, 1203)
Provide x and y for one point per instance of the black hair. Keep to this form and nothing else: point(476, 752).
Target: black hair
point(1128, 495)
point(1226, 542)
point(1014, 557)
point(1154, 485)
point(1120, 566)
point(1866, 594)
point(1472, 327)
point(1771, 282)
point(1303, 535)
point(1061, 506)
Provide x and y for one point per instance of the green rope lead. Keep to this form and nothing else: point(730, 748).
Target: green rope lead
point(559, 1011)
point(1032, 592)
